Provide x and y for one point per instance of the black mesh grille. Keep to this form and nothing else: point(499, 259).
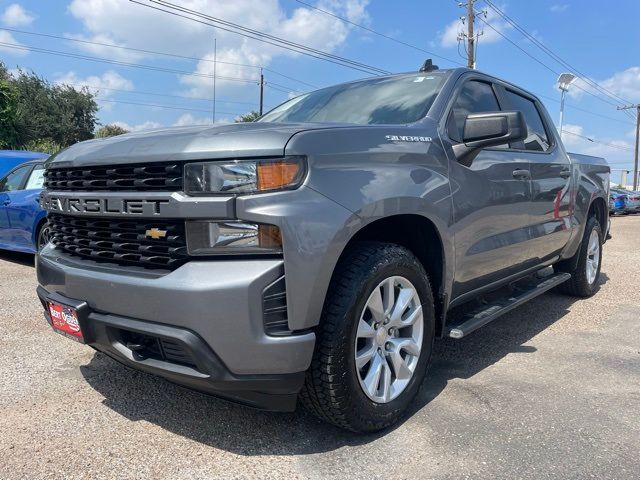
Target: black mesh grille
point(124, 242)
point(138, 177)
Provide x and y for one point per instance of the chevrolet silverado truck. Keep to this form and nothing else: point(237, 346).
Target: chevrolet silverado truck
point(316, 253)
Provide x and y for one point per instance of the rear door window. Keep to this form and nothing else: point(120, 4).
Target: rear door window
point(537, 139)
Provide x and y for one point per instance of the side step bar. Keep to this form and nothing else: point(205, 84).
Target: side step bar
point(488, 313)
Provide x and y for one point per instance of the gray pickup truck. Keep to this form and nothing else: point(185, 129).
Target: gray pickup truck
point(317, 253)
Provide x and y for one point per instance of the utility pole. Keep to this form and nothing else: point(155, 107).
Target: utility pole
point(635, 159)
point(215, 64)
point(261, 91)
point(471, 39)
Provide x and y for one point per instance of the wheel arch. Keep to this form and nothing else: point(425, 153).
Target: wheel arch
point(599, 209)
point(38, 224)
point(420, 236)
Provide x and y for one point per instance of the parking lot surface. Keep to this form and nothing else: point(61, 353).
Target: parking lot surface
point(551, 390)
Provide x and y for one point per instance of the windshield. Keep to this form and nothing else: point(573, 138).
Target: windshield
point(390, 100)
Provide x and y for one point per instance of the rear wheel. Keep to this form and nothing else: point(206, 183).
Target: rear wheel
point(374, 341)
point(585, 275)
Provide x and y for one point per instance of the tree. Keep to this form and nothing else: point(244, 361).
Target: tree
point(11, 131)
point(44, 145)
point(110, 131)
point(252, 116)
point(56, 112)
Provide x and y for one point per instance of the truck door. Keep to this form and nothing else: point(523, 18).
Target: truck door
point(491, 199)
point(550, 178)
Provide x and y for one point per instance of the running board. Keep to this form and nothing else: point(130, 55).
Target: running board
point(488, 313)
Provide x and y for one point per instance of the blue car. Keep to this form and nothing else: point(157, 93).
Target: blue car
point(13, 158)
point(23, 224)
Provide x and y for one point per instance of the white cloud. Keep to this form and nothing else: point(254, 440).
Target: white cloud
point(99, 85)
point(148, 125)
point(133, 25)
point(449, 36)
point(16, 16)
point(624, 84)
point(559, 8)
point(187, 120)
point(6, 37)
point(569, 134)
point(574, 141)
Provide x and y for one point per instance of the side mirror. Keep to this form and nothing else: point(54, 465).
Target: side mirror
point(482, 130)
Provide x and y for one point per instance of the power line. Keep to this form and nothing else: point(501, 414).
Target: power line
point(542, 63)
point(370, 30)
point(139, 92)
point(154, 105)
point(553, 55)
point(584, 110)
point(121, 63)
point(154, 52)
point(611, 145)
point(261, 36)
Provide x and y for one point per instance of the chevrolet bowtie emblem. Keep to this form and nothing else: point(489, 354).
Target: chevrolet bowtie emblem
point(155, 233)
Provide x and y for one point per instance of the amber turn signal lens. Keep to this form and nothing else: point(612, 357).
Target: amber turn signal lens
point(279, 174)
point(269, 236)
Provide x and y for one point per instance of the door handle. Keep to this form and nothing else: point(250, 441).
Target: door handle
point(6, 202)
point(565, 173)
point(521, 173)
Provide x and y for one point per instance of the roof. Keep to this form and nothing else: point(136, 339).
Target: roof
point(22, 154)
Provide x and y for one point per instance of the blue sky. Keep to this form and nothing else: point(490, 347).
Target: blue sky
point(600, 42)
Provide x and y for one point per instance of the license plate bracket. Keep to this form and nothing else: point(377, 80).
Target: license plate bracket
point(65, 320)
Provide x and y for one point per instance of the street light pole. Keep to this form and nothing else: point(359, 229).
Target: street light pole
point(564, 80)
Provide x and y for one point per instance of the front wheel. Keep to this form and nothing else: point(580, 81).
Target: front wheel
point(585, 275)
point(374, 340)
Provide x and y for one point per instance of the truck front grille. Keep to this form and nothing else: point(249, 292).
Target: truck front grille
point(160, 176)
point(147, 243)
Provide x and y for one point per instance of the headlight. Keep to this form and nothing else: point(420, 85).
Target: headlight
point(243, 176)
point(233, 237)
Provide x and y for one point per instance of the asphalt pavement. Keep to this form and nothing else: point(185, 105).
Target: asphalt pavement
point(551, 390)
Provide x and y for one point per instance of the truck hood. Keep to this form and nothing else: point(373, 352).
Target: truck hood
point(237, 140)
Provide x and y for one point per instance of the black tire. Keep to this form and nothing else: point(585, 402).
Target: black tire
point(43, 235)
point(578, 285)
point(332, 390)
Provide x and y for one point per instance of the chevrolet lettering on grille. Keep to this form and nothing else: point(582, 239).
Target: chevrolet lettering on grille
point(102, 205)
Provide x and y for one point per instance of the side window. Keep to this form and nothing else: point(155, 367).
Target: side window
point(36, 179)
point(14, 180)
point(475, 97)
point(537, 139)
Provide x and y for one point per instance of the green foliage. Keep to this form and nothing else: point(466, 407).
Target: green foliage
point(11, 131)
point(110, 131)
point(33, 110)
point(252, 116)
point(44, 145)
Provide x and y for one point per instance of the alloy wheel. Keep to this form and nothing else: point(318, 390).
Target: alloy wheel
point(389, 339)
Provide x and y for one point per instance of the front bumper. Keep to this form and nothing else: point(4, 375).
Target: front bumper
point(179, 355)
point(213, 309)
